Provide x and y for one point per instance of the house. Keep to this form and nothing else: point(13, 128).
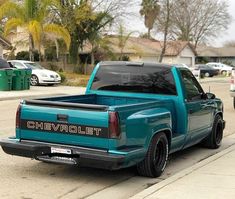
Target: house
point(213, 54)
point(4, 45)
point(149, 50)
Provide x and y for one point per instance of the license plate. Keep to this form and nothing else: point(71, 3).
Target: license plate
point(60, 150)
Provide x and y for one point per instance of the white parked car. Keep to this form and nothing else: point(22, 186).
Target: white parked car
point(40, 75)
point(223, 68)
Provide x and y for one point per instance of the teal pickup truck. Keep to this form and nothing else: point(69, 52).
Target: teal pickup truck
point(131, 114)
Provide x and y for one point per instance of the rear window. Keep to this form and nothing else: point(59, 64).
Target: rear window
point(155, 80)
point(4, 64)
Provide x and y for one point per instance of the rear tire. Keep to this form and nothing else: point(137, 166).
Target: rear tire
point(156, 158)
point(213, 141)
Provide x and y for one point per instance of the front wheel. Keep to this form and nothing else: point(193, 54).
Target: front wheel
point(34, 80)
point(224, 72)
point(213, 141)
point(156, 158)
point(207, 74)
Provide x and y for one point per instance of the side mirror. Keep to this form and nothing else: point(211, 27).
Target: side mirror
point(210, 96)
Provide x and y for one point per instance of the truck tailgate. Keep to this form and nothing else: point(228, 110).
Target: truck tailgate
point(64, 125)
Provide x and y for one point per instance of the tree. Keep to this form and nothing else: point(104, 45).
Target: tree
point(230, 44)
point(164, 23)
point(99, 21)
point(199, 20)
point(86, 20)
point(32, 15)
point(122, 40)
point(149, 9)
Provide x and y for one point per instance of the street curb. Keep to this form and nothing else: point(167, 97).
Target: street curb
point(30, 96)
point(155, 188)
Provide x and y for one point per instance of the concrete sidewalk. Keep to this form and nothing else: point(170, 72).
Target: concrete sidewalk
point(40, 91)
point(212, 178)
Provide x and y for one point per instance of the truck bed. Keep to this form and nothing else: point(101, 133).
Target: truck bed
point(75, 119)
point(91, 101)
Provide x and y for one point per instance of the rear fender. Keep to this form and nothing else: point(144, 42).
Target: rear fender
point(143, 125)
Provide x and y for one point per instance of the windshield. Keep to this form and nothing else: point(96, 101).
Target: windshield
point(145, 79)
point(33, 65)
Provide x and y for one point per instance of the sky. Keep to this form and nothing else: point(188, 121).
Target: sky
point(230, 33)
point(136, 23)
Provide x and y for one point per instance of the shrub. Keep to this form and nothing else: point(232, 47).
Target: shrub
point(53, 67)
point(63, 77)
point(24, 55)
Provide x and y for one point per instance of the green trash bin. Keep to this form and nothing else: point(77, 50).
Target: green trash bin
point(28, 73)
point(6, 79)
point(18, 79)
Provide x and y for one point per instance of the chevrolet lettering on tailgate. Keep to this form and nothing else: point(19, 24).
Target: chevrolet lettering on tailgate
point(64, 128)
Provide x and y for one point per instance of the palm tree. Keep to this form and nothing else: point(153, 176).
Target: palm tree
point(85, 22)
point(32, 16)
point(122, 39)
point(150, 10)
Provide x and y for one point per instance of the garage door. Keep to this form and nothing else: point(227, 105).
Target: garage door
point(186, 60)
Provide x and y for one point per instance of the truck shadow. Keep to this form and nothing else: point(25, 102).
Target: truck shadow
point(176, 162)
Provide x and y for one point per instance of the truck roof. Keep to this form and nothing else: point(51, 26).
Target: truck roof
point(137, 64)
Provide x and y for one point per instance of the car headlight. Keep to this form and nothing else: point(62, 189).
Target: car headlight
point(43, 74)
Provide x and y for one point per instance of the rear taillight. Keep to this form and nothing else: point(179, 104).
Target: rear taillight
point(114, 125)
point(18, 112)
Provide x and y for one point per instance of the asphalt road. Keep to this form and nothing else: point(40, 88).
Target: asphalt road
point(24, 178)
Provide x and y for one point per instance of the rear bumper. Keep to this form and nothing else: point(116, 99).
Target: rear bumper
point(43, 80)
point(49, 82)
point(79, 155)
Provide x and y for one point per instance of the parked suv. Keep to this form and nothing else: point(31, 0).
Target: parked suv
point(223, 68)
point(205, 70)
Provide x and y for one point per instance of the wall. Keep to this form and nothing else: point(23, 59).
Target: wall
point(64, 67)
point(144, 58)
point(170, 60)
point(1, 51)
point(187, 55)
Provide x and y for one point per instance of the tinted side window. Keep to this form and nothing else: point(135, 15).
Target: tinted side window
point(156, 80)
point(192, 87)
